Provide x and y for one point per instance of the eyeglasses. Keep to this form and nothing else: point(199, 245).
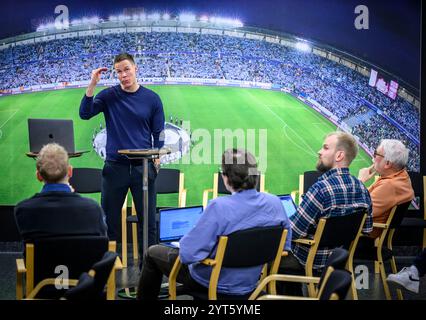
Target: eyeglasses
point(376, 154)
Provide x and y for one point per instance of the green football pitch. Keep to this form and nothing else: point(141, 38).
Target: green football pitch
point(294, 134)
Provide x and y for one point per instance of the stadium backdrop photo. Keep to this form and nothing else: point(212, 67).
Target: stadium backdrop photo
point(219, 78)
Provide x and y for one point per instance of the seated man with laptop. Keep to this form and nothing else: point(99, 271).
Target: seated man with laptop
point(245, 208)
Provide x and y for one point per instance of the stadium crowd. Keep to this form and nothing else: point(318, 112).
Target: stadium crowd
point(337, 88)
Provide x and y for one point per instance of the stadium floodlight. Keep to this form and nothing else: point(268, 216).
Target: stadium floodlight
point(303, 46)
point(235, 23)
point(135, 17)
point(41, 27)
point(76, 22)
point(142, 16)
point(204, 19)
point(166, 16)
point(94, 20)
point(154, 16)
point(187, 17)
point(122, 17)
point(113, 18)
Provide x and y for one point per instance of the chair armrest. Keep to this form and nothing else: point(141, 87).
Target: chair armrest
point(308, 242)
point(20, 274)
point(48, 282)
point(206, 196)
point(208, 262)
point(380, 225)
point(283, 278)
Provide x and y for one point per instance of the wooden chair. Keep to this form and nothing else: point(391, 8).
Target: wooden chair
point(75, 255)
point(336, 261)
point(241, 249)
point(377, 252)
point(306, 180)
point(333, 232)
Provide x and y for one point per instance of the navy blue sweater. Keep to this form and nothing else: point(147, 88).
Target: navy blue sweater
point(133, 120)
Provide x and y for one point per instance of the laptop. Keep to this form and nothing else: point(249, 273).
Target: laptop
point(44, 131)
point(289, 206)
point(176, 222)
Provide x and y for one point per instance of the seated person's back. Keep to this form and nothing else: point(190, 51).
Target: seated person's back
point(56, 210)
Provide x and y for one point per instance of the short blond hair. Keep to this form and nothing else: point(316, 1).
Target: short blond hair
point(52, 163)
point(347, 143)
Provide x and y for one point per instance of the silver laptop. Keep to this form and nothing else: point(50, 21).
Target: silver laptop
point(177, 222)
point(44, 131)
point(289, 206)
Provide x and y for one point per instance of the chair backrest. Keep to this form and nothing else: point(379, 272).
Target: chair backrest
point(417, 183)
point(309, 178)
point(400, 212)
point(336, 286)
point(84, 290)
point(167, 181)
point(221, 186)
point(337, 260)
point(252, 247)
point(76, 253)
point(86, 180)
point(222, 189)
point(340, 231)
point(103, 270)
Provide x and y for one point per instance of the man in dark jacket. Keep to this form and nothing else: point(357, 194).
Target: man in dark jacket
point(57, 210)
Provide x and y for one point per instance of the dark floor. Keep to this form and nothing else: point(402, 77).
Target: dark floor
point(129, 277)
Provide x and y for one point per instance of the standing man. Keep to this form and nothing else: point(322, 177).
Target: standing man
point(134, 119)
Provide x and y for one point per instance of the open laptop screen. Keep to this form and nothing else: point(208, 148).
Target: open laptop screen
point(44, 131)
point(290, 207)
point(177, 222)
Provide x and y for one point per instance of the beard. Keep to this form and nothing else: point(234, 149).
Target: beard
point(321, 167)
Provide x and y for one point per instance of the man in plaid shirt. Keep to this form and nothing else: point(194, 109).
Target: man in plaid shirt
point(336, 193)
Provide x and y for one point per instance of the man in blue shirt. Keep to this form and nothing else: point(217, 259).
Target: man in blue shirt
point(134, 119)
point(245, 208)
point(57, 210)
point(336, 193)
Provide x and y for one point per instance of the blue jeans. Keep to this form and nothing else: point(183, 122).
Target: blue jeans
point(117, 178)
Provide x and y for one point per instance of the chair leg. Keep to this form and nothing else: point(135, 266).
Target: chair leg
point(394, 270)
point(385, 284)
point(376, 267)
point(135, 236)
point(353, 289)
point(124, 238)
point(135, 242)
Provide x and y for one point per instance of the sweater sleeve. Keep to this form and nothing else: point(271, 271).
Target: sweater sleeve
point(91, 106)
point(157, 124)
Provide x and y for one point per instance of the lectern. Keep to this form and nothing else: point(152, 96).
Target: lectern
point(145, 155)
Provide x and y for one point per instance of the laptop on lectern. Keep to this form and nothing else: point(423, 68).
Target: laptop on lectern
point(44, 131)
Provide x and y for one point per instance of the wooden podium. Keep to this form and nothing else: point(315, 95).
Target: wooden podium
point(145, 155)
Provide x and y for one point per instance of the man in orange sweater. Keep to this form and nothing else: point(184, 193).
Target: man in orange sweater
point(394, 185)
